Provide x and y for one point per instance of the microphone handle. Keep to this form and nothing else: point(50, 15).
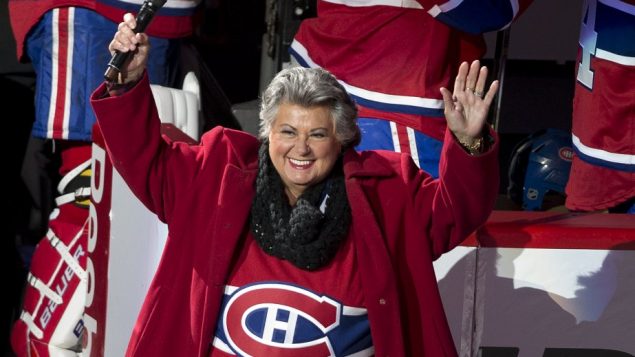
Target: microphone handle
point(145, 15)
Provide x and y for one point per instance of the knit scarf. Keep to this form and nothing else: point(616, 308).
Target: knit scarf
point(309, 234)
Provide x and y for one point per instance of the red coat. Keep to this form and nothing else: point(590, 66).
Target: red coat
point(402, 221)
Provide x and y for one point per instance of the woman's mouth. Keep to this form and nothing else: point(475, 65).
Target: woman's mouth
point(300, 164)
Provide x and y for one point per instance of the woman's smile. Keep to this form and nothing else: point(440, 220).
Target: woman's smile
point(301, 164)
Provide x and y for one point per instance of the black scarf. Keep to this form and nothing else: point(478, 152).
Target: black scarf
point(303, 235)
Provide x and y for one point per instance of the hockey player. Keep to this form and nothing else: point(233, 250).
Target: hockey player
point(392, 56)
point(604, 110)
point(66, 40)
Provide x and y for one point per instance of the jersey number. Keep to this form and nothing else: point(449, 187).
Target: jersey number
point(588, 43)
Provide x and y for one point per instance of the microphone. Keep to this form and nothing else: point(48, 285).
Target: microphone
point(145, 15)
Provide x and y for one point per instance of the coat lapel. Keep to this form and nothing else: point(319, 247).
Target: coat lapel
point(234, 203)
point(376, 270)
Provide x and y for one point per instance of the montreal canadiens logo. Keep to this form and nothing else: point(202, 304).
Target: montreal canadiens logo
point(280, 320)
point(566, 153)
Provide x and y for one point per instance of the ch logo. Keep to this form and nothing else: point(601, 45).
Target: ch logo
point(281, 320)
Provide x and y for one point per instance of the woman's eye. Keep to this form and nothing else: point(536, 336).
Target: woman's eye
point(287, 132)
point(318, 135)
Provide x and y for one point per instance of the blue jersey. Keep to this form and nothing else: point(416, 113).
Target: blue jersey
point(70, 64)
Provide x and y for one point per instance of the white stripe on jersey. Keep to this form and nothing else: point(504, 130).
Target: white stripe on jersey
point(448, 6)
point(353, 311)
point(55, 72)
point(54, 65)
point(620, 5)
point(602, 154)
point(69, 72)
point(613, 57)
point(219, 344)
point(411, 4)
point(395, 136)
point(372, 95)
point(394, 99)
point(172, 4)
point(370, 351)
point(413, 146)
point(230, 289)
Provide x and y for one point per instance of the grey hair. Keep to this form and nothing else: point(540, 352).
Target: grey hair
point(310, 87)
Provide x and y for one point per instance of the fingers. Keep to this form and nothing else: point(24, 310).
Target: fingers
point(112, 46)
point(447, 98)
point(466, 108)
point(125, 38)
point(491, 93)
point(459, 82)
point(450, 103)
point(142, 39)
point(471, 79)
point(470, 84)
point(472, 76)
point(130, 20)
point(479, 87)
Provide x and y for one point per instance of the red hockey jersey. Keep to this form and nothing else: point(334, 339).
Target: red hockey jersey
point(392, 56)
point(604, 108)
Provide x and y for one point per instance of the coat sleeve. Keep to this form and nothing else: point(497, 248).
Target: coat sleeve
point(160, 172)
point(460, 200)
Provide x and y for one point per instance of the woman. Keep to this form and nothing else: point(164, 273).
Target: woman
point(296, 244)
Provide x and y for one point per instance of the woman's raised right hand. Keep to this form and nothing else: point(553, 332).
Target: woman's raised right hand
point(125, 40)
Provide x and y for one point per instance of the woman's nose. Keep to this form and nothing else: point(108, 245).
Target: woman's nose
point(302, 145)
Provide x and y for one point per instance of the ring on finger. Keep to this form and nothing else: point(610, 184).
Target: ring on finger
point(478, 93)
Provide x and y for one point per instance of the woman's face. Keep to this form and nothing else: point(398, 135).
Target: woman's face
point(302, 146)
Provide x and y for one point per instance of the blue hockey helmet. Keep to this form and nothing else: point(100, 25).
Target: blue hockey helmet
point(540, 164)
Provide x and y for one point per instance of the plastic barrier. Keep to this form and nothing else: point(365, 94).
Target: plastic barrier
point(543, 284)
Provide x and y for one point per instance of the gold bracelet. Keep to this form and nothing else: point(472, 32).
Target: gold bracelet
point(476, 147)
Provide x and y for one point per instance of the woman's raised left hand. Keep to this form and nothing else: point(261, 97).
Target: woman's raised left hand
point(466, 108)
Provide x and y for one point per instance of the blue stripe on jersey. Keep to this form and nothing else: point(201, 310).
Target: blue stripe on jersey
point(166, 10)
point(616, 30)
point(377, 135)
point(477, 16)
point(603, 163)
point(373, 104)
point(299, 58)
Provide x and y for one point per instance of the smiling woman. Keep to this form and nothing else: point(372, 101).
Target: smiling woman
point(303, 147)
point(293, 243)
